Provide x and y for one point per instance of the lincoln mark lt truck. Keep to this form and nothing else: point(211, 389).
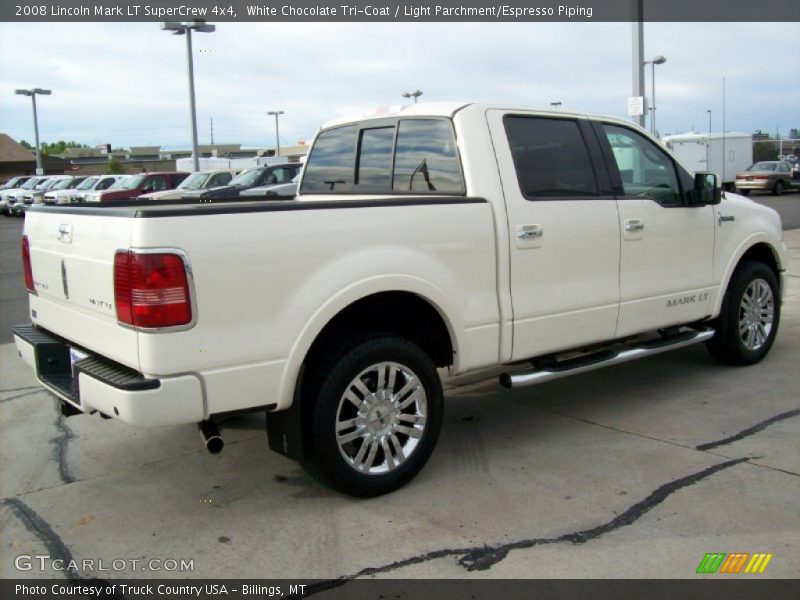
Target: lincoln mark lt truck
point(457, 236)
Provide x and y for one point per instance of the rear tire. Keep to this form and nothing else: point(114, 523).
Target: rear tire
point(748, 322)
point(778, 189)
point(376, 415)
point(744, 192)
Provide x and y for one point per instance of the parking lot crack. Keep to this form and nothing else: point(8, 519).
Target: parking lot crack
point(60, 444)
point(34, 523)
point(20, 389)
point(617, 429)
point(481, 558)
point(23, 395)
point(749, 431)
point(58, 550)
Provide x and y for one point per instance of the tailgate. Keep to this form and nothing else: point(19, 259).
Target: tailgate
point(72, 259)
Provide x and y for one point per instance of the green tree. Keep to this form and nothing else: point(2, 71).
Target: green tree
point(115, 166)
point(766, 150)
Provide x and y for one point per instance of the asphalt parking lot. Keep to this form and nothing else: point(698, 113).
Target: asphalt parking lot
point(629, 472)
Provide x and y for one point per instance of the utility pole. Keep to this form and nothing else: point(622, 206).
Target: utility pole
point(638, 55)
point(212, 131)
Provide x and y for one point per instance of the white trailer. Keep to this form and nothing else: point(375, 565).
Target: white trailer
point(705, 152)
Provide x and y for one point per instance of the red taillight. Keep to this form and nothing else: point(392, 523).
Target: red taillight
point(760, 176)
point(26, 264)
point(741, 177)
point(151, 290)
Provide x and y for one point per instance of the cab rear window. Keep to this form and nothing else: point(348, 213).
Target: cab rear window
point(400, 156)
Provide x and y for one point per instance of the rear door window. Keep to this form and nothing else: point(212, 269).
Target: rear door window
point(550, 158)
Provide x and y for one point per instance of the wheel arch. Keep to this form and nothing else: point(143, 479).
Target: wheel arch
point(759, 250)
point(371, 307)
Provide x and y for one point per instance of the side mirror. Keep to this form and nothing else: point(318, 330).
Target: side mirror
point(706, 190)
point(147, 189)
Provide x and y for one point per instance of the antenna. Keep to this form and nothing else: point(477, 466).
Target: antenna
point(724, 156)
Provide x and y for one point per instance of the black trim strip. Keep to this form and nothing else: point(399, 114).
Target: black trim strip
point(147, 209)
point(56, 370)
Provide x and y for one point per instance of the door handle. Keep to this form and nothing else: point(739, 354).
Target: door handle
point(529, 232)
point(632, 225)
point(724, 218)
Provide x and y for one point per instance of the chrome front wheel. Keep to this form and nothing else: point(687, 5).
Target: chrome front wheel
point(756, 314)
point(749, 316)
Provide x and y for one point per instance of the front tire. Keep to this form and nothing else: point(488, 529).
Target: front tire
point(376, 415)
point(748, 322)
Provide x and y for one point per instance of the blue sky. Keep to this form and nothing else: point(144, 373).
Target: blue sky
point(125, 83)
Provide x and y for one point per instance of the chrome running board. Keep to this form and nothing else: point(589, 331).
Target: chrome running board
point(605, 358)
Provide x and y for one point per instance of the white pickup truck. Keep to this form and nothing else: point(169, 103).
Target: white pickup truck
point(458, 236)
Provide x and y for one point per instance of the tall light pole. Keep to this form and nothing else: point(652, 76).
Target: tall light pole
point(415, 94)
point(186, 29)
point(32, 93)
point(658, 60)
point(709, 120)
point(637, 22)
point(277, 113)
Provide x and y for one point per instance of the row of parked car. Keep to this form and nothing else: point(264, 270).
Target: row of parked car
point(268, 182)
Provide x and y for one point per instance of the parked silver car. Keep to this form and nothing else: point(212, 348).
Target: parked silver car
point(280, 191)
point(202, 180)
point(25, 199)
point(9, 197)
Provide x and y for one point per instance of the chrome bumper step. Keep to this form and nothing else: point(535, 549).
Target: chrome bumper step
point(605, 358)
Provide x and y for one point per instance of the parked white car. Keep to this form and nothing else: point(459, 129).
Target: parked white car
point(95, 183)
point(455, 236)
point(63, 186)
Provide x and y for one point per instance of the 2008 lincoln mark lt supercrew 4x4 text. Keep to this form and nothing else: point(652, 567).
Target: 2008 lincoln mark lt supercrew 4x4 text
point(459, 236)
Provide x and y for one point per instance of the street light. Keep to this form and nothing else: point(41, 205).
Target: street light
point(32, 93)
point(415, 94)
point(186, 29)
point(709, 120)
point(277, 131)
point(658, 60)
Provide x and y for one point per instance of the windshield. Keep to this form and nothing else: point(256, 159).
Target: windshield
point(63, 184)
point(118, 183)
point(763, 166)
point(247, 177)
point(195, 181)
point(30, 184)
point(131, 183)
point(47, 185)
point(87, 183)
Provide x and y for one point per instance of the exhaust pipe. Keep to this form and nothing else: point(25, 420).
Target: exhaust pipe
point(212, 438)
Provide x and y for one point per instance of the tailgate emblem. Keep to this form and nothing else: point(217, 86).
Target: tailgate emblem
point(65, 233)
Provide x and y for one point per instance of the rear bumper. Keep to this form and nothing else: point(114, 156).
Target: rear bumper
point(754, 185)
point(90, 383)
